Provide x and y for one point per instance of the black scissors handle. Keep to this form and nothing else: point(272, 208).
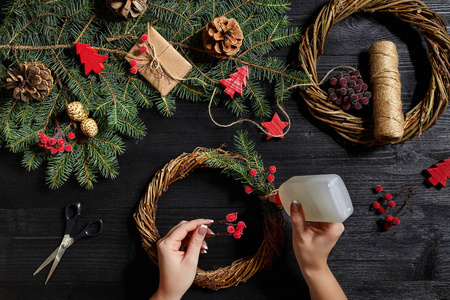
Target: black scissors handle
point(92, 228)
point(72, 218)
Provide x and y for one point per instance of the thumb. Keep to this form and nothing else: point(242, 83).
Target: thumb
point(297, 218)
point(195, 243)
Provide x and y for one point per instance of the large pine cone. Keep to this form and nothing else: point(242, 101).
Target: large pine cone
point(127, 8)
point(30, 80)
point(89, 127)
point(222, 37)
point(76, 111)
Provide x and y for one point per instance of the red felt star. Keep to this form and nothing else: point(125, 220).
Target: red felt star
point(89, 57)
point(275, 127)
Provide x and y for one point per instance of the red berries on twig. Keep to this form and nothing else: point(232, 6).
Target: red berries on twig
point(56, 143)
point(236, 230)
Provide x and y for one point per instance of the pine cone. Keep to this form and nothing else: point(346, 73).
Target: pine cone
point(89, 127)
point(30, 80)
point(76, 111)
point(222, 37)
point(127, 8)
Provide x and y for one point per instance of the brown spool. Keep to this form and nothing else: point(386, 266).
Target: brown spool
point(386, 88)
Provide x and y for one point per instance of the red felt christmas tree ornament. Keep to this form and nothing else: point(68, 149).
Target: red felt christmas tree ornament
point(234, 83)
point(438, 174)
point(89, 57)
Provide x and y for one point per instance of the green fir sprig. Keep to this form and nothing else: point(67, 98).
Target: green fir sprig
point(47, 31)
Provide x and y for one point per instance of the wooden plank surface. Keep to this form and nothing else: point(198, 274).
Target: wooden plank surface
point(412, 261)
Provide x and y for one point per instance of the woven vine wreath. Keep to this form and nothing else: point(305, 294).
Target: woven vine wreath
point(240, 270)
point(418, 119)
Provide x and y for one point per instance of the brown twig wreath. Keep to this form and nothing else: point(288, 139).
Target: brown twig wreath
point(242, 269)
point(359, 130)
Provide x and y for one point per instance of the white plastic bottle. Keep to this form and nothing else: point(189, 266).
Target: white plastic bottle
point(324, 198)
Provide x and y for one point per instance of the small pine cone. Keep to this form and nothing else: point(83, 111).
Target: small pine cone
point(127, 8)
point(89, 127)
point(76, 111)
point(222, 37)
point(30, 80)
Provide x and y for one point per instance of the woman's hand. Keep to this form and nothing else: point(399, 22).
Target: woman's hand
point(178, 267)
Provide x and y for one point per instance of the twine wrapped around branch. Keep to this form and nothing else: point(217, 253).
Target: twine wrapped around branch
point(241, 269)
point(418, 119)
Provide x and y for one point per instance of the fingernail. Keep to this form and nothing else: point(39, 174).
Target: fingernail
point(295, 207)
point(202, 230)
point(211, 221)
point(205, 247)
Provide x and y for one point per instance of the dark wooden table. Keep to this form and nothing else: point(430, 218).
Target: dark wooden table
point(412, 261)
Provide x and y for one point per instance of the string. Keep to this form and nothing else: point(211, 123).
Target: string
point(278, 104)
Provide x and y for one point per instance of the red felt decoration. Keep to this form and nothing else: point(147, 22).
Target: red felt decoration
point(234, 83)
point(89, 57)
point(439, 173)
point(275, 127)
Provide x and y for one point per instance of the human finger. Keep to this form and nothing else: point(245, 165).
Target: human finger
point(297, 218)
point(183, 229)
point(196, 242)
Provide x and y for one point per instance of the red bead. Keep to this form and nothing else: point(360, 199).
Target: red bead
point(241, 225)
point(376, 205)
point(144, 37)
point(231, 229)
point(270, 178)
point(61, 149)
point(41, 135)
point(378, 188)
point(133, 70)
point(68, 148)
point(133, 63)
point(381, 210)
point(387, 226)
point(71, 135)
point(396, 221)
point(51, 141)
point(387, 196)
point(253, 172)
point(389, 218)
point(231, 217)
point(248, 189)
point(143, 49)
point(272, 169)
point(391, 204)
point(53, 150)
point(237, 235)
point(61, 142)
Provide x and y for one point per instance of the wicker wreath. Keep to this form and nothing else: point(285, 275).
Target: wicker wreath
point(359, 130)
point(240, 270)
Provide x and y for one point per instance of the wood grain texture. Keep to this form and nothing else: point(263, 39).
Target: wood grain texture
point(412, 261)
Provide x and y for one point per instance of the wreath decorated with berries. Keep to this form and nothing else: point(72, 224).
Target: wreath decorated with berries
point(246, 166)
point(360, 130)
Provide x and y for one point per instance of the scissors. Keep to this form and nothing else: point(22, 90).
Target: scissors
point(92, 228)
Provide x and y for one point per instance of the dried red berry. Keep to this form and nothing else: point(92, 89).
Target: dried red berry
point(60, 149)
point(44, 139)
point(387, 196)
point(237, 235)
point(133, 63)
point(389, 218)
point(51, 141)
point(253, 172)
point(248, 189)
point(61, 142)
point(53, 150)
point(41, 144)
point(378, 188)
point(391, 204)
point(272, 169)
point(381, 209)
point(241, 225)
point(143, 49)
point(376, 205)
point(144, 37)
point(68, 148)
point(71, 135)
point(231, 229)
point(270, 178)
point(41, 135)
point(396, 221)
point(133, 70)
point(387, 226)
point(231, 217)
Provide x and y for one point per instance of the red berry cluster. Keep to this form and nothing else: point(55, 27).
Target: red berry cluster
point(236, 230)
point(135, 66)
point(349, 89)
point(270, 177)
point(387, 202)
point(56, 143)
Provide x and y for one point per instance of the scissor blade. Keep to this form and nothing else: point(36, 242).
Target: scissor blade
point(59, 254)
point(47, 261)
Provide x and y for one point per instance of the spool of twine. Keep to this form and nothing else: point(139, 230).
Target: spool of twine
point(386, 89)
